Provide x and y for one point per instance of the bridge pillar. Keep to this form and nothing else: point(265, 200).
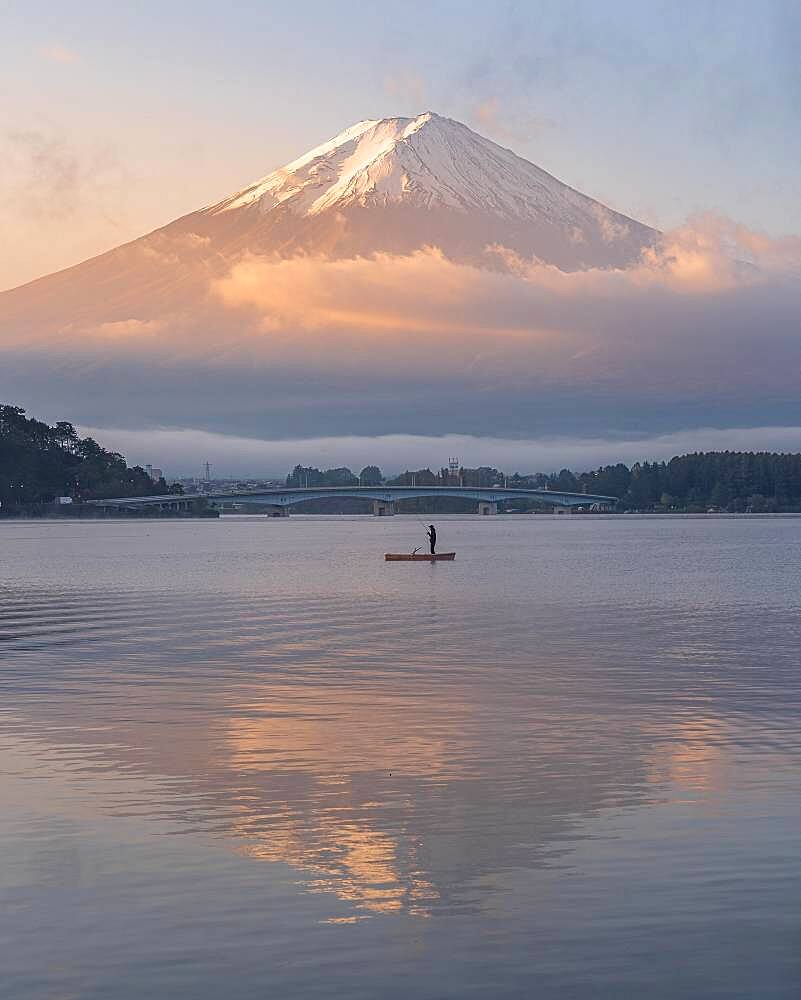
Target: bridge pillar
point(486, 507)
point(277, 510)
point(561, 509)
point(383, 508)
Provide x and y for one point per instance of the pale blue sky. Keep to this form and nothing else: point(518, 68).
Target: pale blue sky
point(115, 119)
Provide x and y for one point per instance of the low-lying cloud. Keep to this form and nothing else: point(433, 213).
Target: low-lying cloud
point(183, 452)
point(702, 332)
point(712, 306)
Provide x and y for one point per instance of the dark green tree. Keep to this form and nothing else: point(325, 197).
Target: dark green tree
point(371, 476)
point(39, 462)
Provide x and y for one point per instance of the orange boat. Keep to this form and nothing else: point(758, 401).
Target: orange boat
point(420, 557)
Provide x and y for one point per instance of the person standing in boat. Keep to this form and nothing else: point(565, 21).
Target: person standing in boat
point(432, 537)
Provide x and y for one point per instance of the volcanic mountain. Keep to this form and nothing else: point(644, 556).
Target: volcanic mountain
point(390, 186)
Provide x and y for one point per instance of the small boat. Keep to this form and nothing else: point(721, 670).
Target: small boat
point(419, 557)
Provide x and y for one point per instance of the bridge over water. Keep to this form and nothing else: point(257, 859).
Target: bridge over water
point(279, 499)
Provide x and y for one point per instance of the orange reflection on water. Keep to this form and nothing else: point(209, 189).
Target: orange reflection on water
point(331, 731)
point(694, 759)
point(345, 746)
point(356, 863)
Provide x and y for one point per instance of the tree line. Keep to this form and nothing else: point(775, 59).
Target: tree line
point(40, 462)
point(733, 481)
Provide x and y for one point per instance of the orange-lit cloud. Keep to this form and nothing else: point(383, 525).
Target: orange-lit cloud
point(505, 121)
point(427, 291)
point(408, 87)
point(707, 319)
point(423, 291)
point(580, 324)
point(486, 112)
point(58, 54)
point(130, 328)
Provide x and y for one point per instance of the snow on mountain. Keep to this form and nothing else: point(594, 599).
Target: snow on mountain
point(428, 161)
point(391, 186)
point(397, 184)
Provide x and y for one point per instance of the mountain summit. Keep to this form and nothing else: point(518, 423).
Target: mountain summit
point(391, 186)
point(428, 161)
point(397, 183)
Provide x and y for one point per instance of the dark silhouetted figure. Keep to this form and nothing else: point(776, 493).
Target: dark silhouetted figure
point(432, 537)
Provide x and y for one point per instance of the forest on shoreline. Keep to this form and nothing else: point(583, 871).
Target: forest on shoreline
point(730, 481)
point(40, 462)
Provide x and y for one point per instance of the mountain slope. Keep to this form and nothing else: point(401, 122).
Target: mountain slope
point(391, 186)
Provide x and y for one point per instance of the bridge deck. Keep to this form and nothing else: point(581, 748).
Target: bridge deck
point(287, 496)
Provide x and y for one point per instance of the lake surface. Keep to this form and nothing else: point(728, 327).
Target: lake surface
point(247, 758)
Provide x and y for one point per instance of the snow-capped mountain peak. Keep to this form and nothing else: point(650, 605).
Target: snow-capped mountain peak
point(329, 172)
point(427, 161)
point(391, 186)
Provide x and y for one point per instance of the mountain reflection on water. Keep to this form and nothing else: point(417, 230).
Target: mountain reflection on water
point(414, 746)
point(397, 779)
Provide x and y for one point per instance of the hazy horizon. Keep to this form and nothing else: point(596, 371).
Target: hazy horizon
point(182, 454)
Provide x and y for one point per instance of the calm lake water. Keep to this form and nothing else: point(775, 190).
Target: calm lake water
point(248, 758)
